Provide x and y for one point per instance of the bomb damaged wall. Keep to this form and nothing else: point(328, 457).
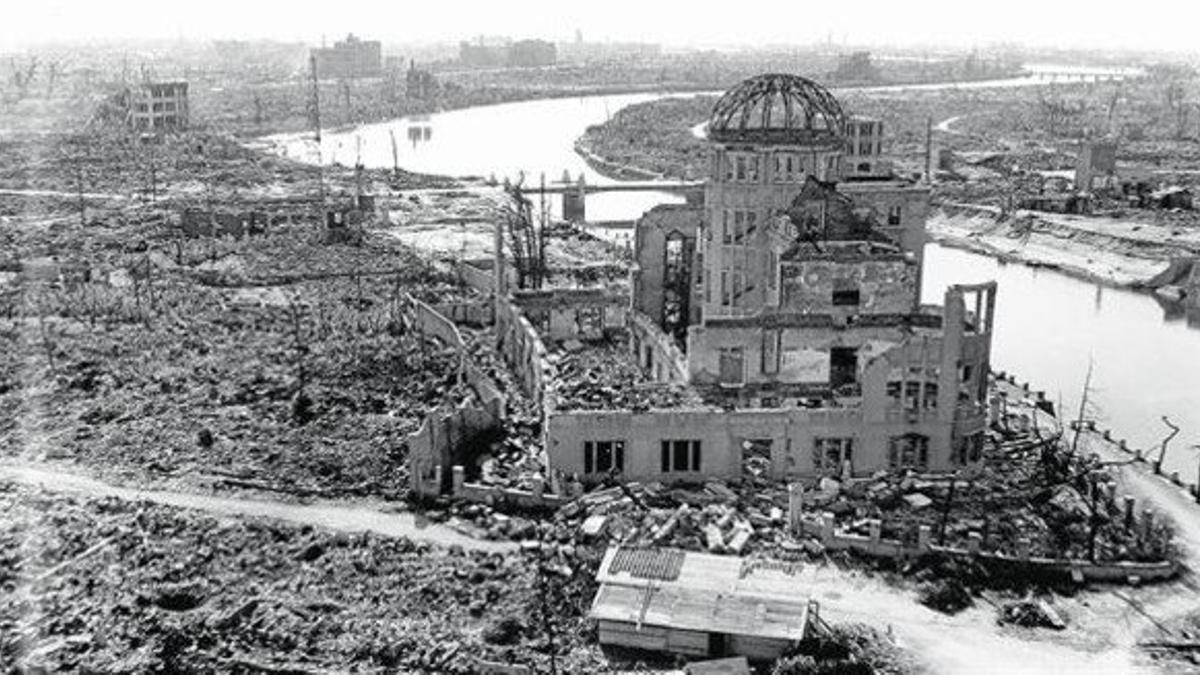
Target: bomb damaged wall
point(870, 285)
point(920, 405)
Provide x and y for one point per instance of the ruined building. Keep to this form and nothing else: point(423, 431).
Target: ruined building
point(419, 83)
point(157, 106)
point(500, 52)
point(349, 59)
point(776, 329)
point(856, 67)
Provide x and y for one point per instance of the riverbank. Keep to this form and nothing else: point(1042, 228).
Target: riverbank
point(1114, 251)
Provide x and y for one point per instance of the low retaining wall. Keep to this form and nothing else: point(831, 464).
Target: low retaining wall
point(875, 545)
point(493, 495)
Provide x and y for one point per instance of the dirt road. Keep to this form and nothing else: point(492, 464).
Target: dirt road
point(354, 517)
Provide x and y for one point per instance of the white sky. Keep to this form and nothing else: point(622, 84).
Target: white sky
point(1150, 24)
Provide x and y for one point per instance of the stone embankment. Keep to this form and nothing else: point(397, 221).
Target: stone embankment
point(1113, 251)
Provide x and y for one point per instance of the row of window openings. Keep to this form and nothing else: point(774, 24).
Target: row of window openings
point(157, 107)
point(866, 147)
point(738, 226)
point(789, 168)
point(910, 451)
point(908, 395)
point(735, 286)
point(609, 456)
point(843, 361)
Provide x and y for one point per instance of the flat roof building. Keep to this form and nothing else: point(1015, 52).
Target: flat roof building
point(349, 59)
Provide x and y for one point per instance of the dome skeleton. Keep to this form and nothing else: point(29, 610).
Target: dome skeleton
point(747, 109)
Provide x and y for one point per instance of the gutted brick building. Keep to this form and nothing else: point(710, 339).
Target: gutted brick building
point(789, 306)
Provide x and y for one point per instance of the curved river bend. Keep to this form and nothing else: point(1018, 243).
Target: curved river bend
point(1048, 325)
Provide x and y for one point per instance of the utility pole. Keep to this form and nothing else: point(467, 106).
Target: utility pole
point(1087, 385)
point(316, 112)
point(395, 154)
point(358, 170)
point(541, 239)
point(1162, 453)
point(79, 186)
point(929, 150)
point(946, 510)
point(546, 607)
point(1197, 447)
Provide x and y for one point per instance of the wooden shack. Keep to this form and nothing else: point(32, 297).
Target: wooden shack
point(700, 605)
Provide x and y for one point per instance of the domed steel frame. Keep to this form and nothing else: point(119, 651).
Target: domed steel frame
point(777, 108)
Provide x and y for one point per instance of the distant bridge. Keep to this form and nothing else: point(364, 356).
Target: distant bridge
point(1067, 75)
point(574, 195)
point(624, 186)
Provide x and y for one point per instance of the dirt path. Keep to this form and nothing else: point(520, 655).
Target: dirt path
point(944, 125)
point(355, 517)
point(58, 193)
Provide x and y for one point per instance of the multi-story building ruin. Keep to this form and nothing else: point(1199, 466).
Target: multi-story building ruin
point(349, 59)
point(158, 106)
point(776, 329)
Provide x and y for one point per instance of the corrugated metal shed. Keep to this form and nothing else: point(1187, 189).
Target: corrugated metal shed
point(701, 593)
point(702, 610)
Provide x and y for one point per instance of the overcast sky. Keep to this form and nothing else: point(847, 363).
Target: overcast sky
point(1153, 24)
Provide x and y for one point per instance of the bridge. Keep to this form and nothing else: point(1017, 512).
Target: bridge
point(624, 186)
point(574, 194)
point(1066, 75)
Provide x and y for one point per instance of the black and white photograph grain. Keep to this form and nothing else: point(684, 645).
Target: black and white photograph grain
point(535, 337)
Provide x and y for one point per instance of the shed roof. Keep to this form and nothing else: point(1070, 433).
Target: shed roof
point(696, 591)
point(705, 610)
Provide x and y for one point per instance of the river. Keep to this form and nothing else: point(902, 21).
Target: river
point(1048, 325)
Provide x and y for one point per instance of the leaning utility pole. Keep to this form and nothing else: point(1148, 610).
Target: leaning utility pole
point(1087, 386)
point(1162, 453)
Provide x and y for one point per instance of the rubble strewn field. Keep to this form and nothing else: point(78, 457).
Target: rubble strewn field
point(106, 585)
point(281, 360)
point(312, 384)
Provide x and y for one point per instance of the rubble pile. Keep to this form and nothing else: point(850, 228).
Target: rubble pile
point(849, 648)
point(1015, 503)
point(105, 585)
point(604, 376)
point(1032, 614)
point(515, 459)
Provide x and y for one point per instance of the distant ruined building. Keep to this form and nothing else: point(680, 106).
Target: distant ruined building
point(489, 52)
point(349, 59)
point(155, 107)
point(856, 67)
